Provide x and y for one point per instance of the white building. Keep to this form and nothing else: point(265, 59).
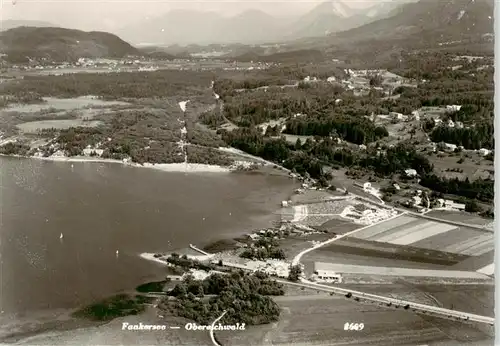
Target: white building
point(458, 206)
point(453, 108)
point(450, 147)
point(416, 200)
point(397, 116)
point(446, 203)
point(483, 152)
point(411, 172)
point(326, 276)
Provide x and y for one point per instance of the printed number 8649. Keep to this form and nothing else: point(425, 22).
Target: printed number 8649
point(354, 326)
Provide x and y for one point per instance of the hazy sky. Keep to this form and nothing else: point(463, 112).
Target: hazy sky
point(110, 14)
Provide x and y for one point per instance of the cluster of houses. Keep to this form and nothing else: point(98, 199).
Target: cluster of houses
point(422, 202)
point(272, 267)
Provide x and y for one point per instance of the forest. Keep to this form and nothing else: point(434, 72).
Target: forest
point(244, 296)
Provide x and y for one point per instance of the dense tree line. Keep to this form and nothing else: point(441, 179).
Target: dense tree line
point(21, 97)
point(244, 296)
point(396, 160)
point(15, 148)
point(477, 137)
point(208, 156)
point(279, 151)
point(354, 130)
point(187, 263)
point(470, 113)
point(264, 248)
point(156, 84)
point(482, 190)
point(213, 119)
point(253, 108)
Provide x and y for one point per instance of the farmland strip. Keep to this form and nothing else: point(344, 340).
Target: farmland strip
point(424, 233)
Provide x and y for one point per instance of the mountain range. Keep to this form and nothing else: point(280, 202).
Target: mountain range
point(426, 24)
point(252, 26)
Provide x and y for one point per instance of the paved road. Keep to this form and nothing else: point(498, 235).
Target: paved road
point(212, 336)
point(394, 301)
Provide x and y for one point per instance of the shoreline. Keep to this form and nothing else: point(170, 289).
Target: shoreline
point(165, 167)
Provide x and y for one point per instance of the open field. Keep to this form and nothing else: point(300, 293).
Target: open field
point(420, 233)
point(460, 240)
point(341, 258)
point(472, 167)
point(338, 226)
point(311, 196)
point(397, 271)
point(381, 251)
point(294, 245)
point(404, 230)
point(62, 104)
point(35, 126)
point(319, 319)
point(460, 217)
point(477, 299)
point(477, 262)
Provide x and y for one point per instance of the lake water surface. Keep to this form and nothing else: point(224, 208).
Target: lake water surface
point(101, 208)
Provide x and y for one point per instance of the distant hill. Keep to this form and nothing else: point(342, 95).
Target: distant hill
point(58, 44)
point(249, 27)
point(305, 55)
point(430, 20)
point(198, 27)
point(10, 24)
point(446, 25)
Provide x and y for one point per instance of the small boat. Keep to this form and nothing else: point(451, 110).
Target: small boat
point(61, 236)
point(117, 252)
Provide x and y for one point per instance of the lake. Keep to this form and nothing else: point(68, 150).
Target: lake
point(101, 208)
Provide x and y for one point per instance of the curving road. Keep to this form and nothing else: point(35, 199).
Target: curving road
point(212, 336)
